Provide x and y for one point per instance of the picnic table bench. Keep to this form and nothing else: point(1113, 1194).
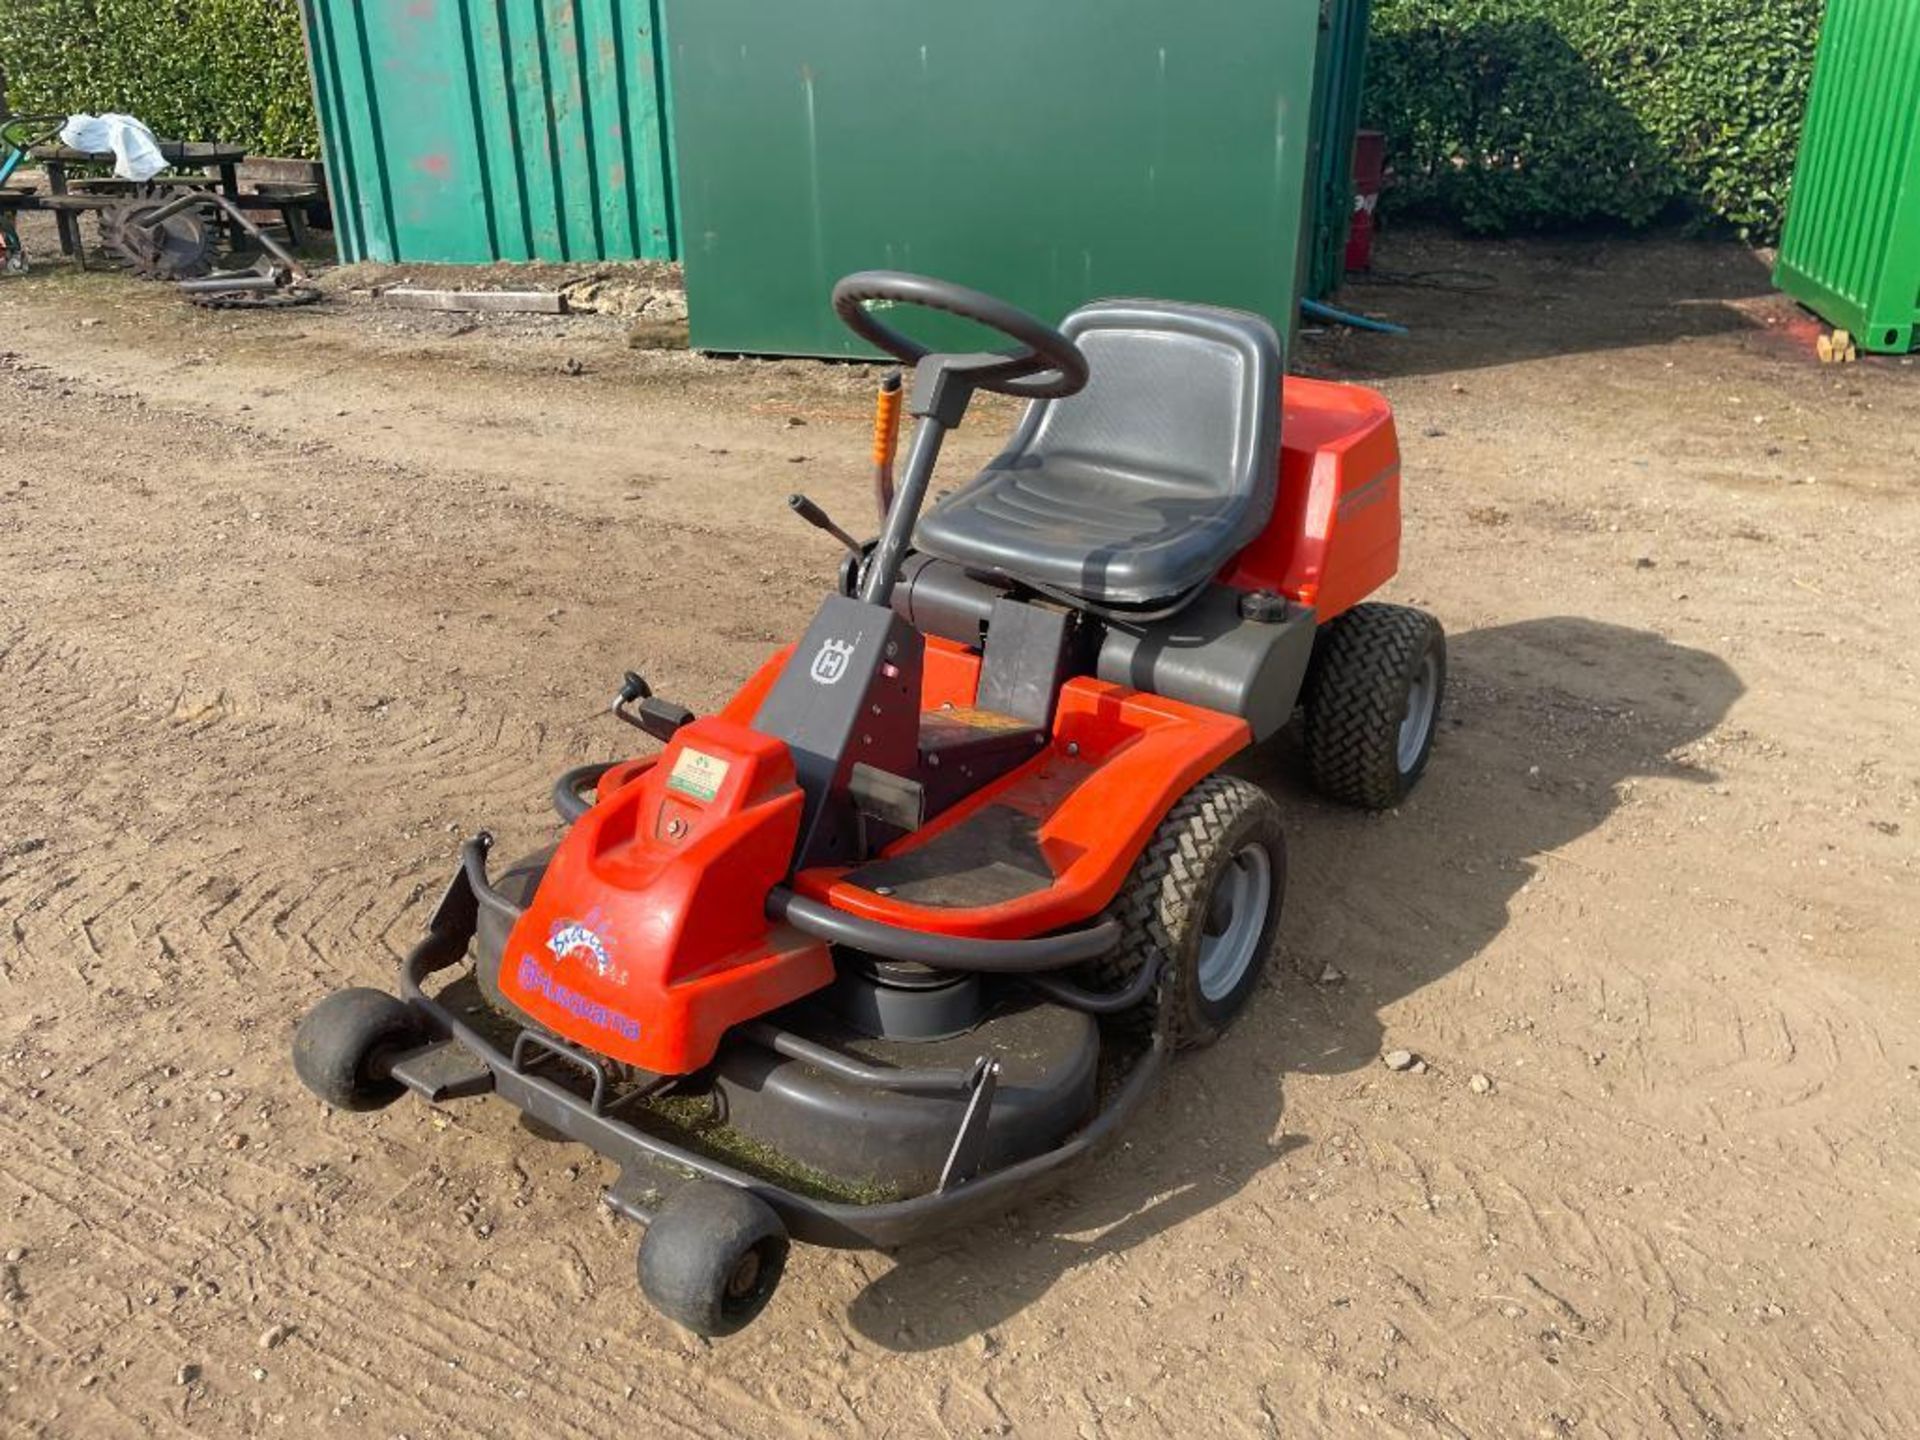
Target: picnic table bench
point(221, 158)
point(70, 197)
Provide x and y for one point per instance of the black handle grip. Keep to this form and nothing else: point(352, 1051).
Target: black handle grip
point(820, 520)
point(808, 511)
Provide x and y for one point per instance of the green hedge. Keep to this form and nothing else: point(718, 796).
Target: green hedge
point(192, 69)
point(1508, 114)
point(1502, 114)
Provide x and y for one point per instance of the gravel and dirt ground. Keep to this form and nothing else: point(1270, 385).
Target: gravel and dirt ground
point(289, 602)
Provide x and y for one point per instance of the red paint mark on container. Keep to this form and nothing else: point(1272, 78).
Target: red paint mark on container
point(437, 166)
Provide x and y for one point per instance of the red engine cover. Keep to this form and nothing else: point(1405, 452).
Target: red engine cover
point(648, 937)
point(1335, 534)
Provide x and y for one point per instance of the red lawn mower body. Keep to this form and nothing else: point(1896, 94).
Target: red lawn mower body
point(916, 920)
point(648, 938)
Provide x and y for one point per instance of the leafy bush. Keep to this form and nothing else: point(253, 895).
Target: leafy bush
point(192, 69)
point(1503, 114)
point(1507, 114)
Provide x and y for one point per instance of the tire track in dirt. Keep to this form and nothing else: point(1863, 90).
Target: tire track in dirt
point(252, 917)
point(35, 1161)
point(284, 650)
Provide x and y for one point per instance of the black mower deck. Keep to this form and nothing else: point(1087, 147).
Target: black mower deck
point(463, 1061)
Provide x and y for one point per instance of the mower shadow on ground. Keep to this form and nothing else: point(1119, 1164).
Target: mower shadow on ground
point(1550, 723)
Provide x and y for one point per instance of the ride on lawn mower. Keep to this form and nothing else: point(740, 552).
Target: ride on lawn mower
point(914, 922)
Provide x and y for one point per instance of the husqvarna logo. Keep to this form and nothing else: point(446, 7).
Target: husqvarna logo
point(534, 979)
point(831, 663)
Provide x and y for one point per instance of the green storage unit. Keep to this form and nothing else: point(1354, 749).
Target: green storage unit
point(1851, 250)
point(1049, 152)
point(1340, 78)
point(469, 131)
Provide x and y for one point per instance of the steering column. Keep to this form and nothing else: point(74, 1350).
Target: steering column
point(1045, 366)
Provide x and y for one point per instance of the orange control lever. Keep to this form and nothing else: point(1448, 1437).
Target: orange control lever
point(886, 440)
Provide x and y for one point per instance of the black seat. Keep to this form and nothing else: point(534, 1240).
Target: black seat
point(1142, 486)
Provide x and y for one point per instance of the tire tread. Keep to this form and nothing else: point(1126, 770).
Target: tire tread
point(1161, 895)
point(1357, 698)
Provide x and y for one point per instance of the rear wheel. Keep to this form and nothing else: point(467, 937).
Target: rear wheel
point(1203, 903)
point(1373, 704)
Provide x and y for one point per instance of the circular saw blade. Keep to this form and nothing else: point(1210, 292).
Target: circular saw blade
point(177, 248)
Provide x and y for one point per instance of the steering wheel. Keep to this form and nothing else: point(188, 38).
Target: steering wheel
point(1048, 366)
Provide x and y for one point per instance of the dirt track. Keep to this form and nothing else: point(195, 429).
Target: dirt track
point(289, 601)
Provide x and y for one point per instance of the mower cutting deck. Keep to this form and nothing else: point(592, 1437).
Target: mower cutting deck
point(912, 924)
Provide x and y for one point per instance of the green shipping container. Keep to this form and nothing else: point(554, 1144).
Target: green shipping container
point(468, 131)
point(1052, 153)
point(1851, 250)
point(1340, 78)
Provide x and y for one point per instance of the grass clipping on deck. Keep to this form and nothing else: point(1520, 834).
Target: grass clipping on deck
point(691, 1120)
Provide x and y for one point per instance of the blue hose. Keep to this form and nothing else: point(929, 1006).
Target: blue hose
point(1315, 310)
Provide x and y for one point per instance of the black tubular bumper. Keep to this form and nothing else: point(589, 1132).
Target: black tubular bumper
point(890, 942)
point(461, 1062)
point(570, 800)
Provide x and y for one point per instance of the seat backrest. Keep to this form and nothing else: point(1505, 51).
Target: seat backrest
point(1182, 399)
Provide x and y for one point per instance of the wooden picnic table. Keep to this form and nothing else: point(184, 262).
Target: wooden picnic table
point(217, 156)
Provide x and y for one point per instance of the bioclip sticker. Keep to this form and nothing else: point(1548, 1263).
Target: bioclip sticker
point(698, 774)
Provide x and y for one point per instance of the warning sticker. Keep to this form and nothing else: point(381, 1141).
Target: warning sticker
point(697, 774)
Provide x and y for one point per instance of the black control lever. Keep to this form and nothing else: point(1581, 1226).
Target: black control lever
point(659, 718)
point(820, 520)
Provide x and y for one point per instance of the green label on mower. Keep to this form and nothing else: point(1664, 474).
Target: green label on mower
point(698, 775)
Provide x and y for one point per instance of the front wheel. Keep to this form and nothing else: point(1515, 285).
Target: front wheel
point(1373, 704)
point(344, 1046)
point(712, 1257)
point(1203, 903)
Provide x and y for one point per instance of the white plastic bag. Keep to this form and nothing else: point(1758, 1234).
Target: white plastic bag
point(136, 154)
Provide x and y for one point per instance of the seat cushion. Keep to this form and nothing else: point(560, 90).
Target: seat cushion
point(1148, 481)
point(1080, 529)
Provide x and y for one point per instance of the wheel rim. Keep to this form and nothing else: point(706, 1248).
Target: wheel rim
point(1236, 919)
point(1418, 725)
point(745, 1278)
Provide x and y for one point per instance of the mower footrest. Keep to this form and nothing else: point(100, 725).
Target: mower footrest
point(445, 1070)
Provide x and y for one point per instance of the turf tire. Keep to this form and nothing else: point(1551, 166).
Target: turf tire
point(1164, 906)
point(1365, 674)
